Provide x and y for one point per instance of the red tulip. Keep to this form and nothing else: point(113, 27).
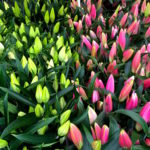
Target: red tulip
point(108, 105)
point(99, 32)
point(104, 134)
point(82, 93)
point(114, 31)
point(146, 83)
point(147, 142)
point(143, 7)
point(122, 39)
point(111, 68)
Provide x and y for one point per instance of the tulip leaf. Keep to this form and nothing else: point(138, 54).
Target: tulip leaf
point(6, 111)
point(139, 147)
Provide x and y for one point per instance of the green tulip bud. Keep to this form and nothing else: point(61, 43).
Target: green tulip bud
point(42, 130)
point(15, 35)
point(37, 45)
point(66, 9)
point(31, 109)
point(27, 11)
point(56, 28)
point(1, 38)
point(60, 42)
point(67, 83)
point(62, 81)
point(71, 40)
point(27, 20)
point(61, 10)
point(52, 52)
point(38, 93)
point(50, 64)
point(46, 17)
point(96, 145)
point(61, 140)
point(24, 39)
point(22, 29)
point(39, 111)
point(65, 116)
point(19, 44)
point(54, 112)
point(37, 32)
point(63, 129)
point(147, 10)
point(11, 55)
point(52, 15)
point(24, 61)
point(21, 114)
point(69, 53)
point(31, 32)
point(26, 84)
point(1, 48)
point(51, 40)
point(55, 84)
point(32, 67)
point(62, 103)
point(16, 10)
point(37, 6)
point(6, 6)
point(35, 79)
point(1, 12)
point(62, 54)
point(43, 8)
point(3, 143)
point(75, 56)
point(55, 58)
point(45, 95)
point(25, 148)
point(44, 41)
point(76, 18)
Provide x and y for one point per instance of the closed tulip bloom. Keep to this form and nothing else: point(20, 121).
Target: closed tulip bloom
point(108, 105)
point(126, 89)
point(111, 68)
point(114, 31)
point(146, 83)
point(147, 34)
point(136, 62)
point(135, 31)
point(148, 48)
point(76, 136)
point(112, 52)
point(122, 39)
point(92, 114)
point(92, 35)
point(104, 40)
point(123, 19)
point(86, 42)
point(147, 142)
point(93, 12)
point(96, 145)
point(132, 102)
point(127, 54)
point(99, 31)
point(78, 26)
point(95, 48)
point(89, 5)
point(131, 27)
point(143, 7)
point(101, 84)
point(95, 96)
point(110, 85)
point(146, 20)
point(136, 10)
point(97, 131)
point(88, 20)
point(82, 93)
point(93, 133)
point(104, 134)
point(124, 140)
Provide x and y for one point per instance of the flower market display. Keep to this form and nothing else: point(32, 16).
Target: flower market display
point(74, 74)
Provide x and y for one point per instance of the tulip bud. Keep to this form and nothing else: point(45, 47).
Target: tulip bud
point(97, 129)
point(3, 143)
point(26, 84)
point(92, 114)
point(21, 114)
point(95, 96)
point(78, 26)
point(82, 93)
point(86, 42)
point(147, 10)
point(35, 79)
point(136, 62)
point(112, 52)
point(46, 17)
point(65, 116)
point(123, 20)
point(104, 40)
point(61, 11)
point(52, 15)
point(27, 11)
point(147, 34)
point(76, 136)
point(132, 102)
point(37, 32)
point(16, 10)
point(111, 68)
point(39, 111)
point(99, 32)
point(93, 12)
point(147, 142)
point(127, 54)
point(108, 105)
point(22, 29)
point(110, 85)
point(38, 93)
point(55, 84)
point(56, 28)
point(37, 45)
point(104, 134)
point(1, 48)
point(124, 140)
point(42, 130)
point(31, 32)
point(62, 81)
point(92, 35)
point(19, 45)
point(122, 39)
point(24, 61)
point(60, 42)
point(143, 7)
point(24, 148)
point(45, 95)
point(126, 89)
point(114, 31)
point(32, 67)
point(62, 103)
point(62, 54)
point(96, 145)
point(89, 64)
point(63, 129)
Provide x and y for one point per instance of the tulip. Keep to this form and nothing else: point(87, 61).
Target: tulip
point(101, 84)
point(122, 39)
point(112, 52)
point(148, 69)
point(124, 140)
point(136, 10)
point(95, 96)
point(42, 130)
point(92, 35)
point(61, 11)
point(89, 64)
point(16, 10)
point(1, 48)
point(27, 10)
point(146, 83)
point(95, 48)
point(136, 62)
point(93, 12)
point(32, 67)
point(39, 111)
point(147, 34)
point(146, 20)
point(45, 95)
point(55, 84)
point(88, 20)
point(38, 93)
point(46, 17)
point(99, 32)
point(104, 40)
point(92, 114)
point(111, 68)
point(104, 134)
point(96, 145)
point(108, 105)
point(148, 48)
point(127, 54)
point(64, 129)
point(76, 136)
point(126, 89)
point(135, 31)
point(56, 28)
point(97, 129)
point(132, 102)
point(65, 116)
point(123, 20)
point(52, 15)
point(24, 61)
point(62, 103)
point(114, 31)
point(147, 142)
point(99, 4)
point(78, 26)
point(3, 143)
point(22, 29)
point(110, 85)
point(93, 133)
point(82, 93)
point(86, 42)
point(143, 7)
point(88, 4)
point(147, 10)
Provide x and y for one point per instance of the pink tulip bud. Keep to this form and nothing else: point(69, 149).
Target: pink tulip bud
point(148, 69)
point(93, 133)
point(78, 26)
point(111, 68)
point(126, 89)
point(136, 10)
point(136, 3)
point(127, 54)
point(102, 19)
point(147, 34)
point(136, 62)
point(88, 20)
point(146, 20)
point(114, 31)
point(82, 93)
point(147, 142)
point(97, 131)
point(148, 48)
point(143, 7)
point(86, 42)
point(96, 84)
point(92, 35)
point(95, 48)
point(76, 136)
point(112, 52)
point(99, 32)
point(135, 31)
point(93, 12)
point(101, 84)
point(92, 114)
point(104, 40)
point(122, 39)
point(124, 140)
point(74, 4)
point(131, 27)
point(146, 83)
point(104, 135)
point(132, 102)
point(124, 19)
point(108, 105)
point(89, 64)
point(110, 85)
point(95, 96)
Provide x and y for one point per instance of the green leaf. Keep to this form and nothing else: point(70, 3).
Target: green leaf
point(6, 112)
point(139, 147)
point(127, 68)
point(136, 117)
point(18, 123)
